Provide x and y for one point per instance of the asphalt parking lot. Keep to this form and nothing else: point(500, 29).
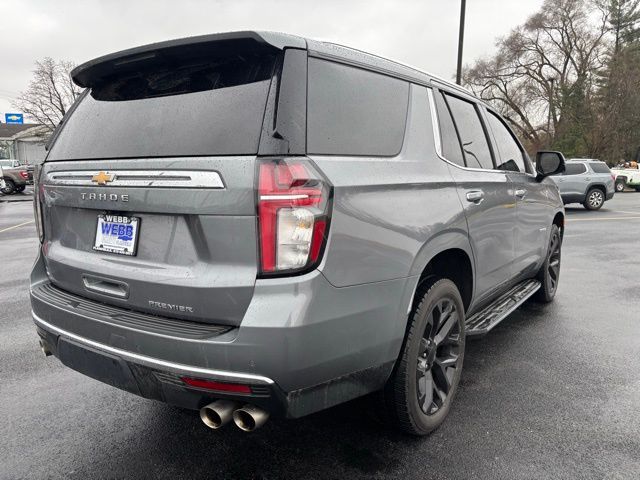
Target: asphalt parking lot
point(552, 392)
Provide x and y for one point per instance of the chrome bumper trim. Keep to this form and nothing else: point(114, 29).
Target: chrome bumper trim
point(156, 362)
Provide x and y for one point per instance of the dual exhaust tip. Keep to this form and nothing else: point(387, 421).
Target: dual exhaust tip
point(219, 413)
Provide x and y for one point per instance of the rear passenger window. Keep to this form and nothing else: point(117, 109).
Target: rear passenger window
point(511, 157)
point(353, 111)
point(599, 167)
point(450, 144)
point(472, 136)
point(574, 169)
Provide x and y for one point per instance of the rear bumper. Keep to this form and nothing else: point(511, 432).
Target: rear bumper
point(303, 345)
point(155, 378)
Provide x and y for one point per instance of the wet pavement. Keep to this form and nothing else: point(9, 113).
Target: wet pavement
point(552, 392)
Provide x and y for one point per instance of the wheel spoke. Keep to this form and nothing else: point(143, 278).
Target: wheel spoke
point(425, 391)
point(453, 340)
point(440, 378)
point(442, 395)
point(447, 362)
point(446, 328)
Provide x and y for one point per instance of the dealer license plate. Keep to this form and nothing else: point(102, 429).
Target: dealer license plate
point(117, 234)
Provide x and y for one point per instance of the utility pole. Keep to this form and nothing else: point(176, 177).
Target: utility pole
point(463, 7)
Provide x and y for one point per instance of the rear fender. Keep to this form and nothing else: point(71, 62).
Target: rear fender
point(442, 241)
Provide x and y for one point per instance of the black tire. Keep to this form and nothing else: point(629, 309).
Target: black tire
point(20, 188)
point(549, 273)
point(9, 187)
point(621, 184)
point(637, 187)
point(418, 396)
point(595, 199)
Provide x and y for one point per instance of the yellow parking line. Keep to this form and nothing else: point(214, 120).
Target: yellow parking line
point(16, 226)
point(599, 219)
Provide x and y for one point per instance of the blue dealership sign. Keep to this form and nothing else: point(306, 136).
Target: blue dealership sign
point(13, 118)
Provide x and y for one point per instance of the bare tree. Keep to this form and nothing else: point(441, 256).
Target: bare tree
point(50, 93)
point(543, 76)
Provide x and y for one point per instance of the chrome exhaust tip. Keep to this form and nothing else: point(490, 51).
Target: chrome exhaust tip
point(250, 417)
point(45, 349)
point(217, 414)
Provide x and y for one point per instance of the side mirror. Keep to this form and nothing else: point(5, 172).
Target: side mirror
point(549, 163)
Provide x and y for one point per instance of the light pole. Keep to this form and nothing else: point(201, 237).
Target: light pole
point(463, 7)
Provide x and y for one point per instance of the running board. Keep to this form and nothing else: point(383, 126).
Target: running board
point(483, 321)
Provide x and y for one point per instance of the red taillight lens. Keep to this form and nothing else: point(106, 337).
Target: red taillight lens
point(24, 174)
point(293, 215)
point(219, 386)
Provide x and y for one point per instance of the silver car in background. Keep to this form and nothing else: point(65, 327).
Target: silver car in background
point(586, 181)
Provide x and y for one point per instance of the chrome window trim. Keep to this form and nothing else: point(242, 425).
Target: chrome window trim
point(139, 178)
point(438, 141)
point(154, 362)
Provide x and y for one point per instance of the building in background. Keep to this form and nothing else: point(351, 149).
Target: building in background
point(23, 142)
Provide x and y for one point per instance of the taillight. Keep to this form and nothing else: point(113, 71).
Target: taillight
point(293, 215)
point(24, 174)
point(38, 194)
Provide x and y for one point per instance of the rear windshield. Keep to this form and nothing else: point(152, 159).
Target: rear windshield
point(212, 107)
point(599, 167)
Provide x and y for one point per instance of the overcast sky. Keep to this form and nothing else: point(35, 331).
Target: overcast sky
point(422, 33)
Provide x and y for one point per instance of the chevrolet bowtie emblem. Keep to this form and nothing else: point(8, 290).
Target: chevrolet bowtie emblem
point(102, 178)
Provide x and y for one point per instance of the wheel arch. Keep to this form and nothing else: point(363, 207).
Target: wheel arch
point(558, 220)
point(447, 255)
point(599, 186)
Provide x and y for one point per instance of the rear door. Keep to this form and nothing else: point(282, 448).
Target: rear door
point(164, 154)
point(573, 182)
point(485, 193)
point(533, 207)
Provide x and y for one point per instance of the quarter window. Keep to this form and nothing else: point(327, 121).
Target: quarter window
point(476, 149)
point(599, 167)
point(352, 111)
point(511, 157)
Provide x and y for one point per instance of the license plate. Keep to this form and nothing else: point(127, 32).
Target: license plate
point(117, 234)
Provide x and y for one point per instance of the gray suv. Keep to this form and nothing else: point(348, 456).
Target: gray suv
point(586, 181)
point(254, 224)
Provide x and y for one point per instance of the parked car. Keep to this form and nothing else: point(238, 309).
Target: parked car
point(321, 224)
point(586, 181)
point(16, 176)
point(627, 175)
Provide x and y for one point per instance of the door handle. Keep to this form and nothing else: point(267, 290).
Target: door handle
point(521, 192)
point(475, 196)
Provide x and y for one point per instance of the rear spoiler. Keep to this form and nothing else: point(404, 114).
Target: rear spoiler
point(100, 69)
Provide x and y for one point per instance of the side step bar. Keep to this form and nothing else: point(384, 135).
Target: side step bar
point(483, 321)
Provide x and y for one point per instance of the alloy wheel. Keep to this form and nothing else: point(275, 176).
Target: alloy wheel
point(439, 356)
point(553, 268)
point(595, 198)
